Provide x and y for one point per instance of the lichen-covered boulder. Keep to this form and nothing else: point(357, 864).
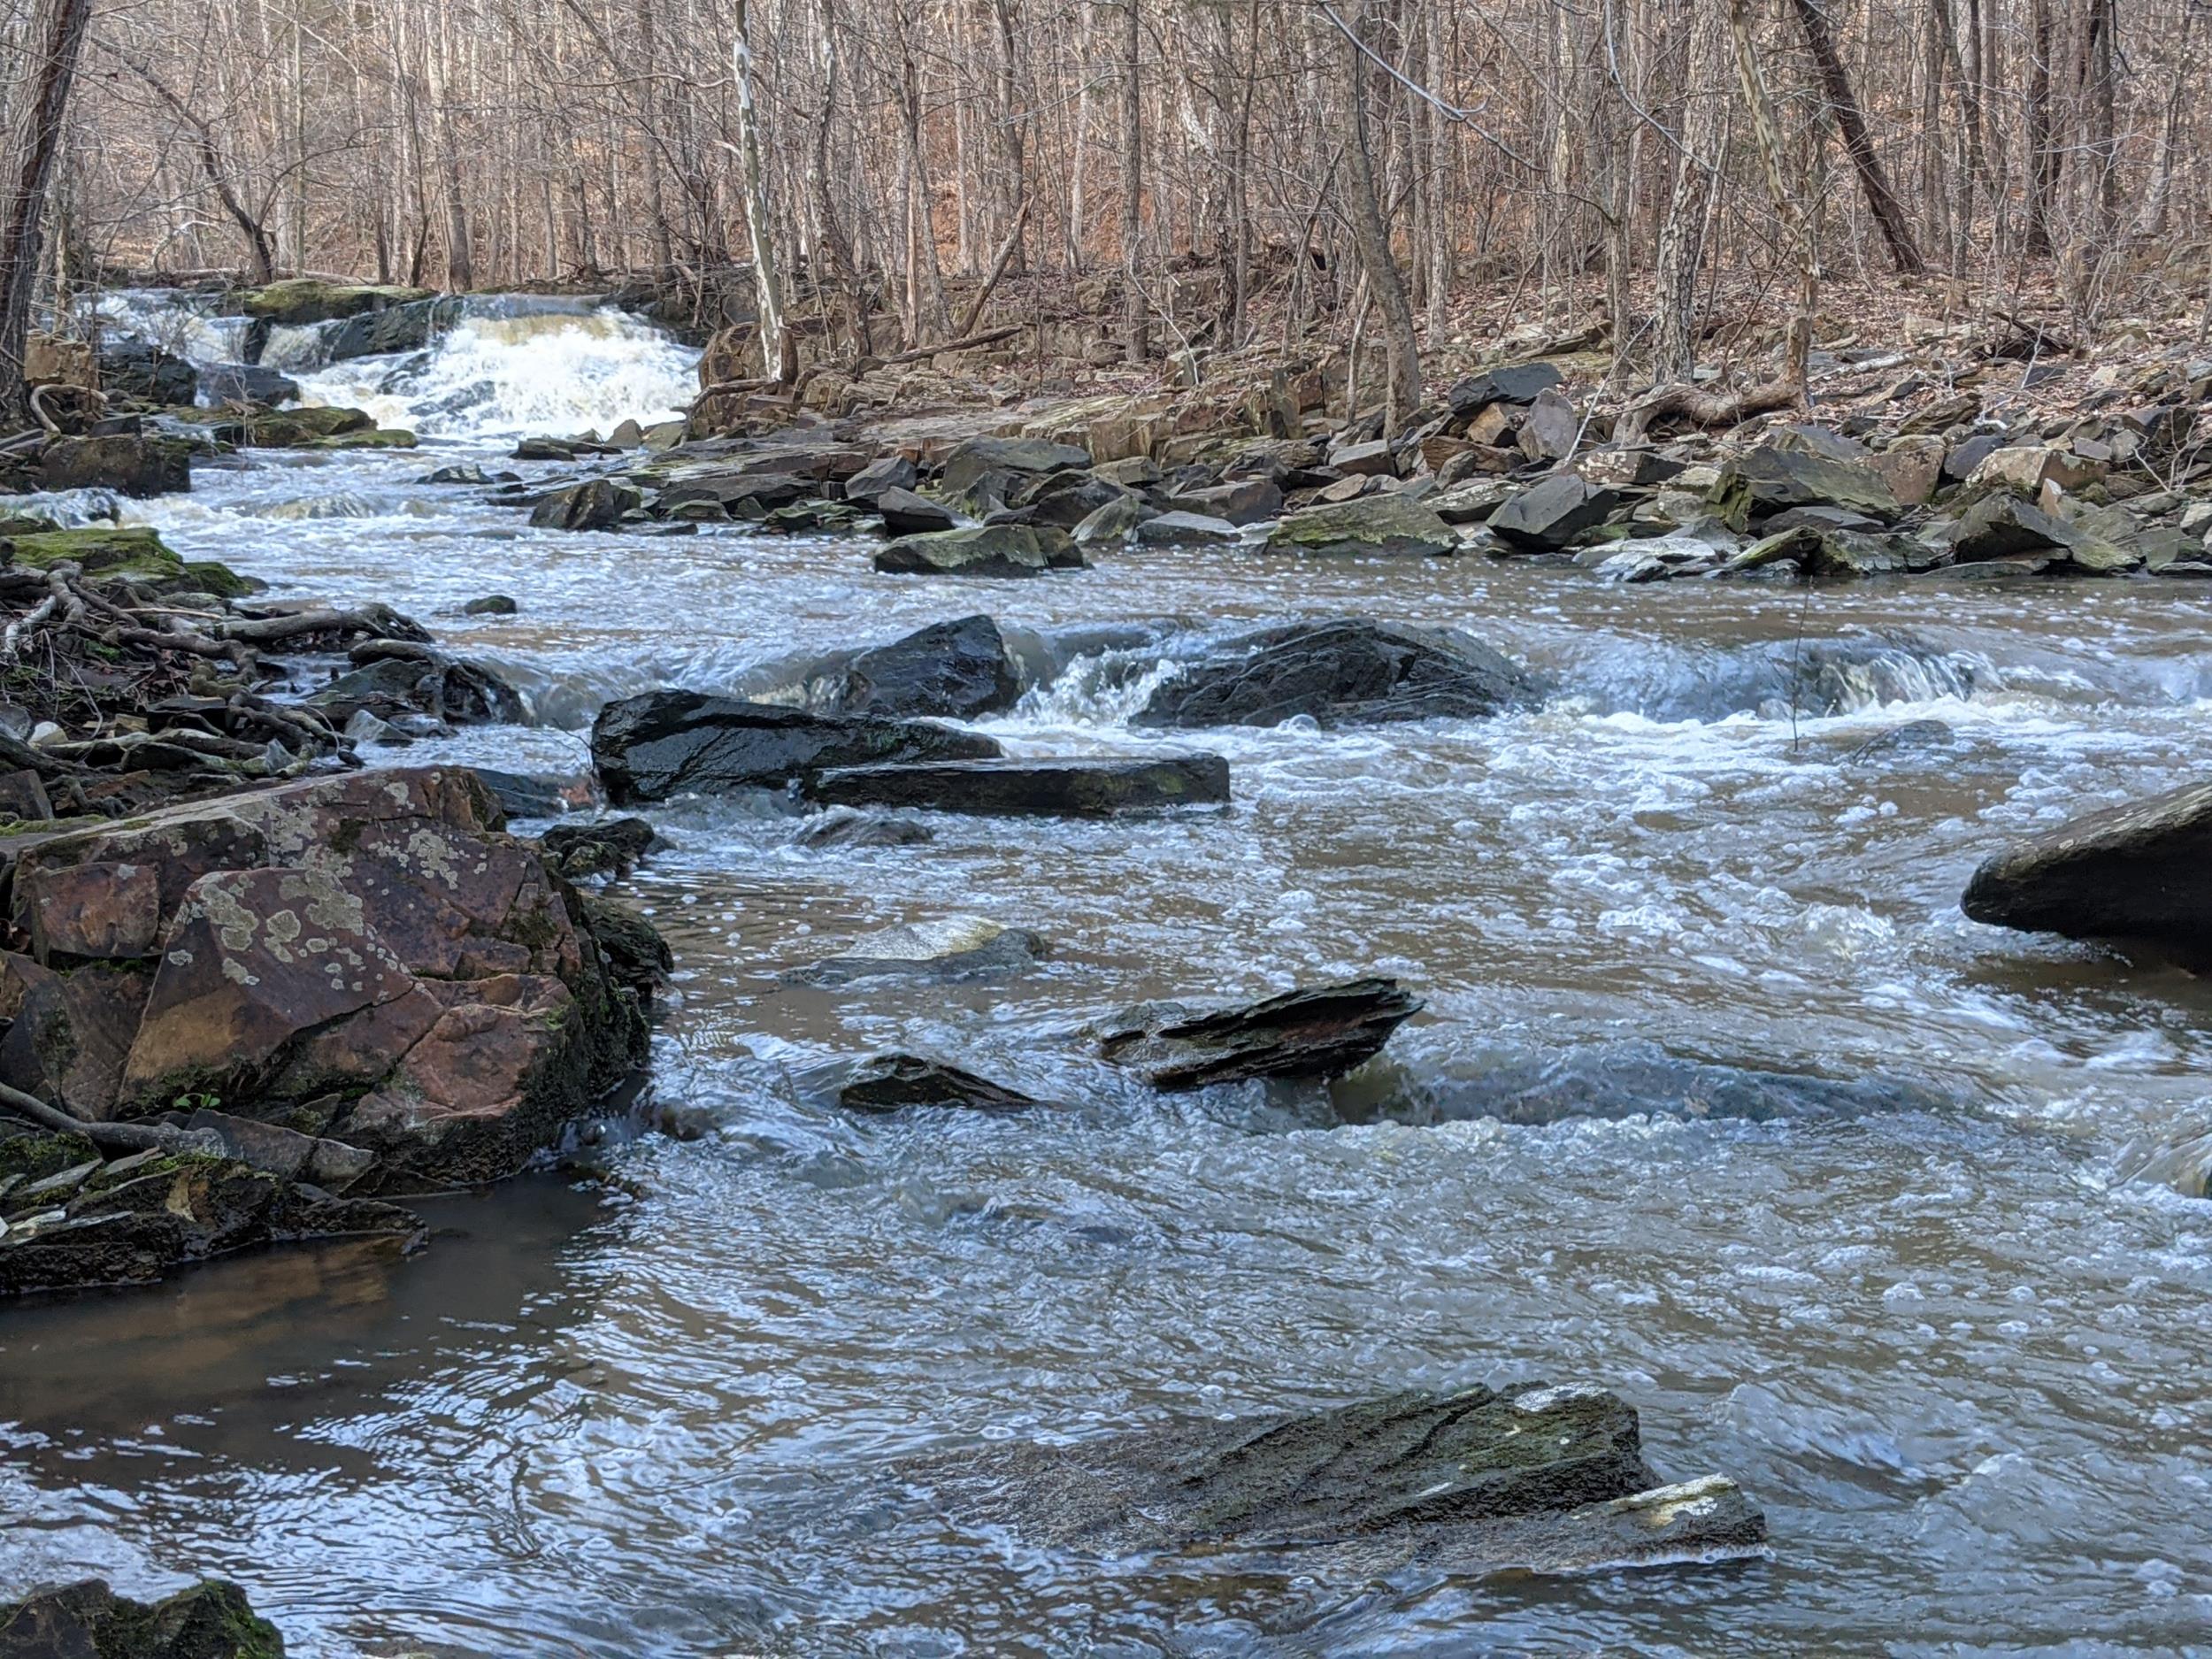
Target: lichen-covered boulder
point(367, 958)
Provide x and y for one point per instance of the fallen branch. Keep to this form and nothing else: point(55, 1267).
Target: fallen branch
point(116, 1137)
point(862, 365)
point(1700, 407)
point(1007, 249)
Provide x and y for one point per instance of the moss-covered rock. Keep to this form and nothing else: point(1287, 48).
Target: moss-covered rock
point(375, 438)
point(299, 300)
point(121, 553)
point(295, 428)
point(211, 1620)
point(131, 464)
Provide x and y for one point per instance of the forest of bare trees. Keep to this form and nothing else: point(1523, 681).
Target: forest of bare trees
point(1340, 164)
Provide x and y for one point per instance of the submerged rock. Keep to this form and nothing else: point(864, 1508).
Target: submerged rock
point(601, 847)
point(1318, 1033)
point(957, 948)
point(211, 1620)
point(1030, 788)
point(1535, 1478)
point(894, 1082)
point(956, 670)
point(2142, 872)
point(1386, 524)
point(990, 550)
point(661, 744)
point(365, 957)
point(1344, 672)
point(848, 827)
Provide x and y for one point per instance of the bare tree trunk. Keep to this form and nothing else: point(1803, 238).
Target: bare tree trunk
point(1881, 201)
point(1682, 231)
point(778, 359)
point(1797, 230)
point(41, 101)
point(1371, 240)
point(1135, 314)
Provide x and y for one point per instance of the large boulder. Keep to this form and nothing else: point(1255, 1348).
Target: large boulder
point(1509, 383)
point(598, 504)
point(1529, 1479)
point(2142, 872)
point(987, 469)
point(1386, 524)
point(1317, 1031)
point(408, 326)
point(1351, 671)
point(1030, 788)
point(129, 464)
point(990, 549)
point(661, 744)
point(952, 671)
point(141, 370)
point(1554, 514)
point(211, 1620)
point(368, 957)
point(1772, 479)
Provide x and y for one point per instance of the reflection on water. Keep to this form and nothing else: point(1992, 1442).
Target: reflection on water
point(1718, 1101)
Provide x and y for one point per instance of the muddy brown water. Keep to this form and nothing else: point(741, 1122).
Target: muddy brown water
point(1718, 1101)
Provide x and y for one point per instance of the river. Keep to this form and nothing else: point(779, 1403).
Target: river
point(1718, 1101)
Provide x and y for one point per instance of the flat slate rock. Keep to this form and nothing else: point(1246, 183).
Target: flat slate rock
point(1388, 524)
point(2142, 872)
point(1550, 1480)
point(987, 550)
point(1035, 789)
point(906, 513)
point(1321, 1032)
point(1346, 671)
point(896, 1082)
point(1553, 514)
point(661, 744)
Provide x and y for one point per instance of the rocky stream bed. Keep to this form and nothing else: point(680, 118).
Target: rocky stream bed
point(1287, 1053)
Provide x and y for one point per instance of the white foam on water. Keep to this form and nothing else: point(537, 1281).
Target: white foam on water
point(490, 376)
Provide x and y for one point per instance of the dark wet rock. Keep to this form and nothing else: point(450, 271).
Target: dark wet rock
point(1241, 501)
point(604, 846)
point(1383, 524)
point(1320, 1032)
point(980, 460)
point(409, 326)
point(227, 383)
point(522, 796)
point(956, 671)
point(2141, 872)
point(1065, 500)
point(1348, 672)
point(598, 504)
point(372, 939)
point(1970, 453)
point(1509, 383)
point(128, 463)
point(1113, 521)
point(2002, 526)
point(1030, 788)
point(850, 827)
point(1825, 552)
point(141, 370)
point(891, 472)
point(211, 1620)
point(906, 513)
point(957, 948)
point(1535, 1478)
point(637, 957)
point(651, 747)
point(491, 605)
point(995, 550)
point(732, 489)
point(896, 1082)
point(1753, 488)
point(1915, 737)
point(240, 1186)
point(393, 680)
point(1187, 529)
point(1553, 514)
point(1372, 460)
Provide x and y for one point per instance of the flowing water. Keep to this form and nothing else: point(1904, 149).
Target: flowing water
point(1718, 1101)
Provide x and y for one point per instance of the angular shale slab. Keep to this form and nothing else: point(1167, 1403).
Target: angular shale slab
point(1030, 788)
